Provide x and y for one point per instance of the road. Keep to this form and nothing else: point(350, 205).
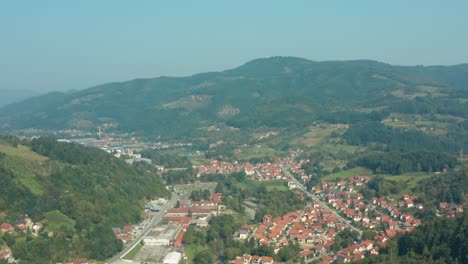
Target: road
point(315, 198)
point(156, 218)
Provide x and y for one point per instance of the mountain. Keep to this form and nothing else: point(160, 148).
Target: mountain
point(279, 92)
point(9, 96)
point(78, 194)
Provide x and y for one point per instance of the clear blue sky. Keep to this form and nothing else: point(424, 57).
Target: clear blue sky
point(62, 45)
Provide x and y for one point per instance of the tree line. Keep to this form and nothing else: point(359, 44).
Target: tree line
point(399, 163)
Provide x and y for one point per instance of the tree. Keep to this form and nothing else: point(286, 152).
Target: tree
point(204, 257)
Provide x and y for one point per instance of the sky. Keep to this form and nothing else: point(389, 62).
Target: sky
point(64, 45)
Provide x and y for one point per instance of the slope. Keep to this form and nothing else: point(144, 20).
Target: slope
point(273, 92)
point(78, 193)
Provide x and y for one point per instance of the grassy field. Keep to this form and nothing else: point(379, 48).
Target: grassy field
point(335, 148)
point(28, 172)
point(22, 152)
point(411, 179)
point(370, 110)
point(256, 152)
point(402, 94)
point(32, 183)
point(54, 220)
point(130, 255)
point(275, 184)
point(252, 185)
point(197, 160)
point(315, 136)
point(346, 173)
point(432, 125)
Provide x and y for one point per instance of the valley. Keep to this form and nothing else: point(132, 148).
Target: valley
point(325, 162)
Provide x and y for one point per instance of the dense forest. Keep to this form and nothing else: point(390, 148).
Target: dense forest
point(450, 187)
point(78, 193)
point(438, 241)
point(166, 160)
point(400, 163)
point(399, 140)
point(397, 151)
point(447, 187)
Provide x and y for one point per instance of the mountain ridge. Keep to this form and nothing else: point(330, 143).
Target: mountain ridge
point(270, 92)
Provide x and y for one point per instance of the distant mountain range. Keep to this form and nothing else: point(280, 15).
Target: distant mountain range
point(9, 96)
point(278, 92)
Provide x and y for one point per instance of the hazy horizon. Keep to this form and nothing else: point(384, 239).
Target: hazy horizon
point(62, 46)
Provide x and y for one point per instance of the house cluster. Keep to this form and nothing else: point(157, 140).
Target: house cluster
point(396, 219)
point(223, 167)
point(22, 224)
point(248, 259)
point(78, 261)
point(313, 227)
point(6, 255)
point(449, 209)
point(267, 134)
point(196, 213)
point(260, 171)
point(408, 201)
point(7, 228)
point(353, 253)
point(126, 233)
point(344, 198)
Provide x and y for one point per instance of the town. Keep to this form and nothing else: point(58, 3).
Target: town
point(338, 222)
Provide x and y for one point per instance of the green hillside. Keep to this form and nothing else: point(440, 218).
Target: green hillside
point(278, 92)
point(78, 193)
point(438, 241)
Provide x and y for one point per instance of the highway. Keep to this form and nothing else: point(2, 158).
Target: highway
point(155, 220)
point(315, 198)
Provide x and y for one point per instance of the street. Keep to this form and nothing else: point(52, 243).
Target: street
point(334, 213)
point(156, 218)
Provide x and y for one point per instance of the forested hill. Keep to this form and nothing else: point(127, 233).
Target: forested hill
point(279, 92)
point(78, 194)
point(439, 241)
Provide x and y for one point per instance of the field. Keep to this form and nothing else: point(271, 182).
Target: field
point(190, 102)
point(410, 179)
point(346, 173)
point(252, 185)
point(28, 165)
point(402, 94)
point(22, 152)
point(255, 152)
point(130, 255)
point(197, 160)
point(316, 135)
point(33, 185)
point(55, 221)
point(437, 124)
point(336, 148)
